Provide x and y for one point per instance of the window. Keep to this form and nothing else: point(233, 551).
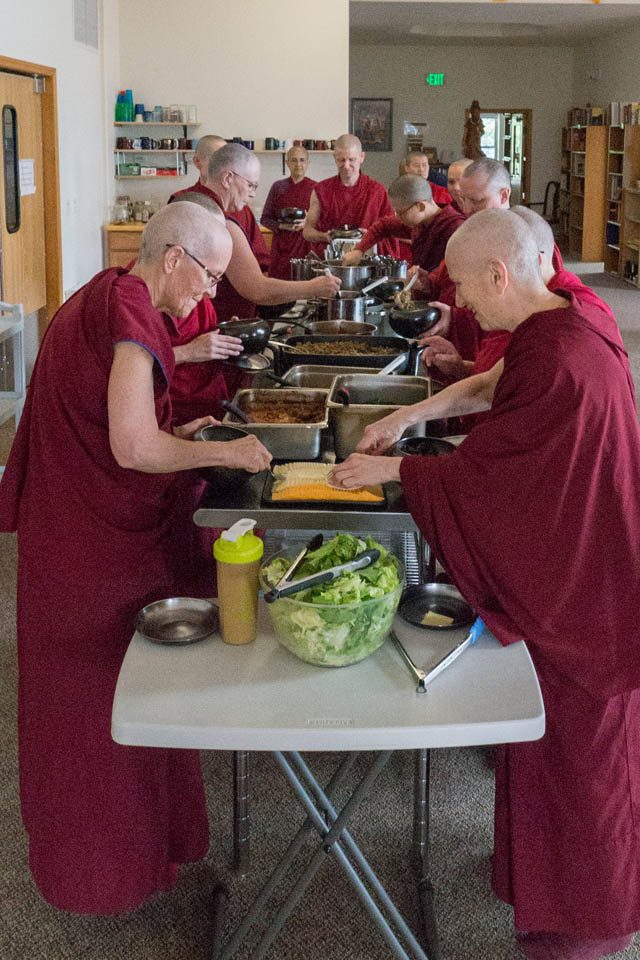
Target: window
point(10, 169)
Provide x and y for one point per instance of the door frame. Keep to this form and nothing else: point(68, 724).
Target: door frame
point(51, 183)
point(527, 113)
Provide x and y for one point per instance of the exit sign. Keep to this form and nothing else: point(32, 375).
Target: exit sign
point(434, 79)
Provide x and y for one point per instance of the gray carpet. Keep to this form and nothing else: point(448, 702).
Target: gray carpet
point(330, 923)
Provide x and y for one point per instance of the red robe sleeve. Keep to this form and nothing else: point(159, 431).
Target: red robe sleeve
point(383, 228)
point(537, 514)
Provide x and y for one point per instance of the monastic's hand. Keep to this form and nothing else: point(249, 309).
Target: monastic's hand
point(323, 286)
point(360, 470)
point(382, 434)
point(442, 354)
point(442, 326)
point(208, 346)
point(247, 453)
point(186, 431)
point(352, 258)
point(422, 286)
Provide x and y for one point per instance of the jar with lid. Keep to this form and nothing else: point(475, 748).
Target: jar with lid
point(138, 207)
point(147, 211)
point(121, 210)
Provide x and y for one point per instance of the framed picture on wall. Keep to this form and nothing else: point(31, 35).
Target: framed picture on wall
point(371, 121)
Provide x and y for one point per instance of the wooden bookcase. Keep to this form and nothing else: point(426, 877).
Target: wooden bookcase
point(630, 210)
point(615, 163)
point(587, 195)
point(565, 174)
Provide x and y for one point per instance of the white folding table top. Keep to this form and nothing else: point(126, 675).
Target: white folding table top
point(210, 695)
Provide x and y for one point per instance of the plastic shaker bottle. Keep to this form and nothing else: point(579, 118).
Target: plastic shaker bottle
point(237, 553)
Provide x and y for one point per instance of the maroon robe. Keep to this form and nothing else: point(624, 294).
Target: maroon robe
point(428, 240)
point(229, 302)
point(537, 518)
point(286, 244)
point(107, 823)
point(196, 388)
point(465, 332)
point(357, 206)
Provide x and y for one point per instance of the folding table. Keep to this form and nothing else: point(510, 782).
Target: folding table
point(213, 696)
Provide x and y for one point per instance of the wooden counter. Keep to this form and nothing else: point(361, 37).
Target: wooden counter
point(122, 242)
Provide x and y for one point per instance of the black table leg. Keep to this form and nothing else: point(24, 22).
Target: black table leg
point(421, 851)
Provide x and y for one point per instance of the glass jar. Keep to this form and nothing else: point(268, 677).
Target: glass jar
point(121, 210)
point(138, 207)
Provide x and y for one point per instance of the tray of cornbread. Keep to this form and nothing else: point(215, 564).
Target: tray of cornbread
point(302, 484)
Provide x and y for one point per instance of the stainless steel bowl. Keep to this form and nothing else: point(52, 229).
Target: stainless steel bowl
point(177, 620)
point(353, 278)
point(442, 599)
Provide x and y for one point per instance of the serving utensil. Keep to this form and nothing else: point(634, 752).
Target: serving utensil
point(364, 559)
point(425, 678)
point(235, 410)
point(313, 544)
point(371, 286)
point(393, 365)
point(398, 297)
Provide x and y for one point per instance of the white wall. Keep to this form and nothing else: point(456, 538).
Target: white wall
point(255, 69)
point(499, 77)
point(608, 70)
point(41, 31)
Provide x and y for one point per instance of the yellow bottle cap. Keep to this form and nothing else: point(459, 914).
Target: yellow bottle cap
point(238, 544)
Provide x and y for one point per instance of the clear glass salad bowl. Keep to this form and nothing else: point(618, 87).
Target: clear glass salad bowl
point(333, 634)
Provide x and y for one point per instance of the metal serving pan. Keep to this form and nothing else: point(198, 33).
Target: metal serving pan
point(371, 398)
point(284, 441)
point(286, 355)
point(310, 375)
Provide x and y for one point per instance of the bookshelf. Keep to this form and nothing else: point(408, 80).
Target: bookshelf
point(623, 173)
point(586, 196)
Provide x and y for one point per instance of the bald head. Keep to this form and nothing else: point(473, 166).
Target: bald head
point(409, 189)
point(205, 147)
point(485, 184)
point(187, 225)
point(348, 142)
point(454, 173)
point(543, 236)
point(417, 162)
point(193, 196)
point(297, 158)
point(232, 156)
point(349, 158)
point(494, 235)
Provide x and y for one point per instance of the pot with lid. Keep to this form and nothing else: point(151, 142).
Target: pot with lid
point(350, 305)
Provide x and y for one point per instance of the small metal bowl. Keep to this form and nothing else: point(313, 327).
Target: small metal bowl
point(441, 599)
point(177, 620)
point(422, 447)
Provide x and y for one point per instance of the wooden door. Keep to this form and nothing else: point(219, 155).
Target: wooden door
point(22, 239)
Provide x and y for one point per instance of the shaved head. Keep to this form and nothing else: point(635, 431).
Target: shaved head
point(417, 162)
point(409, 189)
point(495, 235)
point(192, 196)
point(233, 156)
point(348, 142)
point(207, 145)
point(457, 166)
point(491, 171)
point(485, 185)
point(297, 152)
point(543, 235)
point(187, 225)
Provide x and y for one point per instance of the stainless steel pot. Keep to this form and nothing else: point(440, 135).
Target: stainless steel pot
point(353, 278)
point(303, 269)
point(350, 305)
point(394, 269)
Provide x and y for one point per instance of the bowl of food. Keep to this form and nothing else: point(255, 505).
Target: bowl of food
point(229, 476)
point(422, 447)
point(254, 334)
point(339, 623)
point(414, 321)
point(292, 214)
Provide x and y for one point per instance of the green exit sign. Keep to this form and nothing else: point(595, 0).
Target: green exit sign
point(434, 79)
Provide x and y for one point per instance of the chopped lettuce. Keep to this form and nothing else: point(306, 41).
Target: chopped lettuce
point(333, 624)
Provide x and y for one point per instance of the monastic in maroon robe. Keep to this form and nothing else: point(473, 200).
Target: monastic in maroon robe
point(464, 333)
point(196, 388)
point(286, 244)
point(107, 823)
point(537, 518)
point(428, 240)
point(357, 206)
point(230, 303)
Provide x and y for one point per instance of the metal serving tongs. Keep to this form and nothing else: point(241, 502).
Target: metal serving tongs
point(313, 544)
point(425, 678)
point(364, 559)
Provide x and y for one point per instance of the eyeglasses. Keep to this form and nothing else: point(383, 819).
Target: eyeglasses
point(401, 213)
point(211, 277)
point(253, 187)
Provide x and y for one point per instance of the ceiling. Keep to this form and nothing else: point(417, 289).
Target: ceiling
point(519, 23)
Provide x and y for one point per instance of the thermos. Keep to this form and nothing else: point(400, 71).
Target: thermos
point(237, 553)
